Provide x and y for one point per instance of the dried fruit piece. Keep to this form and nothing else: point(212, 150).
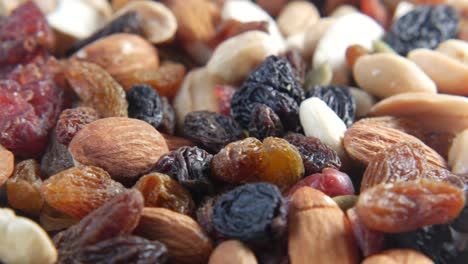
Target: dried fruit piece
point(52, 220)
point(23, 187)
point(80, 190)
point(144, 103)
point(96, 88)
point(168, 122)
point(7, 164)
point(405, 206)
point(254, 213)
point(71, 121)
point(370, 241)
point(264, 123)
point(174, 142)
point(56, 158)
point(160, 190)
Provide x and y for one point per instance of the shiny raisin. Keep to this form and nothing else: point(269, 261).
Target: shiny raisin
point(71, 121)
point(80, 190)
point(405, 206)
point(160, 190)
point(144, 103)
point(265, 123)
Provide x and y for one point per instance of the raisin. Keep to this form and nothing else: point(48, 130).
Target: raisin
point(238, 162)
point(174, 142)
point(265, 123)
point(405, 206)
point(56, 158)
point(339, 99)
point(425, 26)
point(370, 241)
point(168, 121)
point(144, 103)
point(71, 121)
point(127, 249)
point(297, 63)
point(160, 190)
point(80, 190)
point(315, 155)
point(117, 217)
point(223, 94)
point(212, 131)
point(190, 166)
point(23, 187)
point(254, 213)
point(52, 219)
point(204, 215)
point(96, 88)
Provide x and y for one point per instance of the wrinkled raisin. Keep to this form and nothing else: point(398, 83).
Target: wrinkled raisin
point(56, 158)
point(80, 190)
point(144, 103)
point(168, 121)
point(265, 123)
point(424, 27)
point(405, 206)
point(315, 155)
point(212, 131)
point(254, 213)
point(297, 63)
point(23, 187)
point(339, 99)
point(331, 182)
point(190, 166)
point(126, 249)
point(71, 121)
point(160, 190)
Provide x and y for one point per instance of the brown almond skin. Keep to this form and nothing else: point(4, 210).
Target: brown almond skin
point(398, 256)
point(184, 238)
point(232, 252)
point(319, 230)
point(124, 147)
point(7, 164)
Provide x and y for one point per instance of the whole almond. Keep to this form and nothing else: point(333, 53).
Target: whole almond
point(124, 147)
point(7, 164)
point(398, 256)
point(184, 238)
point(232, 252)
point(319, 231)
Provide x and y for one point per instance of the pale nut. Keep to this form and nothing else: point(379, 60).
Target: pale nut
point(7, 164)
point(364, 101)
point(455, 49)
point(121, 55)
point(319, 121)
point(124, 147)
point(46, 6)
point(449, 75)
point(296, 42)
point(184, 238)
point(296, 17)
point(344, 10)
point(314, 33)
point(402, 9)
point(386, 74)
point(433, 112)
point(158, 22)
point(234, 58)
point(23, 241)
point(346, 31)
point(458, 153)
point(398, 256)
point(232, 252)
point(314, 215)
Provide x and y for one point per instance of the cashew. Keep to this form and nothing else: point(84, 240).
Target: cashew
point(296, 17)
point(343, 10)
point(455, 49)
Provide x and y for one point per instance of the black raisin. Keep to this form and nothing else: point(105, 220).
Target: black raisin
point(211, 131)
point(315, 155)
point(339, 99)
point(254, 213)
point(265, 123)
point(145, 104)
point(190, 166)
point(167, 124)
point(423, 27)
point(128, 249)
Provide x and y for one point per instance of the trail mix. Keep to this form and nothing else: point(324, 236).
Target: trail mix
point(231, 131)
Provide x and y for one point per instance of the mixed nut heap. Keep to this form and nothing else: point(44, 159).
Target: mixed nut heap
point(203, 131)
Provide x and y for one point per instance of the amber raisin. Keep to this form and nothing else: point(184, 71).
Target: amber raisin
point(71, 121)
point(80, 190)
point(405, 206)
point(23, 187)
point(160, 190)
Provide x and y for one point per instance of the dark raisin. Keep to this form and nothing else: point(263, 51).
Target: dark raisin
point(167, 124)
point(212, 131)
point(127, 23)
point(254, 213)
point(145, 104)
point(424, 27)
point(265, 123)
point(315, 155)
point(339, 99)
point(204, 215)
point(128, 249)
point(56, 157)
point(298, 64)
point(190, 166)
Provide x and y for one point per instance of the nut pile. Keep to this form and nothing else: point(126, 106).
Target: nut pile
point(235, 131)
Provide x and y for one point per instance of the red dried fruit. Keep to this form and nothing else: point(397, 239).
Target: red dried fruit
point(71, 121)
point(370, 241)
point(23, 187)
point(353, 53)
point(96, 88)
point(224, 93)
point(377, 10)
point(160, 190)
point(405, 206)
point(80, 190)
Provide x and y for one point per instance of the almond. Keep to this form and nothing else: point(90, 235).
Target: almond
point(319, 231)
point(184, 238)
point(232, 252)
point(7, 164)
point(124, 147)
point(398, 256)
